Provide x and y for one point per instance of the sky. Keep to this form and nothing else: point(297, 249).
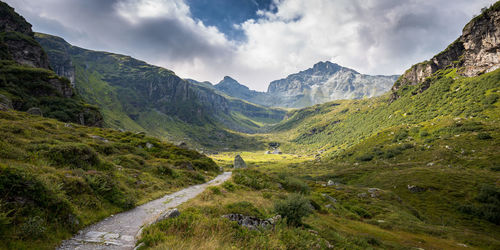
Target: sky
point(257, 41)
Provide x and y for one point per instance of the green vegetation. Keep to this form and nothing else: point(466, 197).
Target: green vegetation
point(136, 96)
point(56, 178)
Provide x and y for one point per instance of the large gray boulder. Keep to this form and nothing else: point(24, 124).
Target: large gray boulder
point(239, 162)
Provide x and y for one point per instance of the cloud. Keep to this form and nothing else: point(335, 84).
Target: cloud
point(371, 36)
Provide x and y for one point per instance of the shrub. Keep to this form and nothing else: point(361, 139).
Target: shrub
point(215, 190)
point(165, 170)
point(229, 186)
point(295, 185)
point(73, 156)
point(400, 135)
point(33, 227)
point(484, 136)
point(293, 208)
point(365, 157)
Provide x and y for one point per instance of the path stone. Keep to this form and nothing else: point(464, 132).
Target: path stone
point(119, 231)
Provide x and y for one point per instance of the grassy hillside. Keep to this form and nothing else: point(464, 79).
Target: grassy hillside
point(137, 96)
point(337, 126)
point(56, 178)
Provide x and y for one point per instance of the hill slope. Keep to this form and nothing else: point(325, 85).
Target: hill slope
point(136, 96)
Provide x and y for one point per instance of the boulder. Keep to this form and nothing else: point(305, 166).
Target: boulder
point(332, 183)
point(251, 222)
point(239, 162)
point(172, 213)
point(35, 111)
point(268, 152)
point(149, 145)
point(277, 151)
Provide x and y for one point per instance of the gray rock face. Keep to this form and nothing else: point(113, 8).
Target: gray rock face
point(324, 82)
point(251, 222)
point(475, 52)
point(327, 81)
point(19, 39)
point(239, 162)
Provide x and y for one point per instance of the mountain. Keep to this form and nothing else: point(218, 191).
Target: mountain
point(474, 53)
point(324, 82)
point(28, 82)
point(136, 96)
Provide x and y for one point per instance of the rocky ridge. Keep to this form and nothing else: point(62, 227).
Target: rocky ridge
point(324, 82)
point(475, 52)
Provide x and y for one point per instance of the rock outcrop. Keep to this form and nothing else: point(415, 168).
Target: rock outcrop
point(29, 82)
point(251, 222)
point(239, 162)
point(18, 40)
point(475, 52)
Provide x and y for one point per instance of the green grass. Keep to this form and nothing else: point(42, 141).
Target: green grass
point(56, 178)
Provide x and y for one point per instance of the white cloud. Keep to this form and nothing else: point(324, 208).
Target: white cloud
point(371, 36)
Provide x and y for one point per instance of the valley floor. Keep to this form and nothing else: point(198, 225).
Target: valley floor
point(362, 206)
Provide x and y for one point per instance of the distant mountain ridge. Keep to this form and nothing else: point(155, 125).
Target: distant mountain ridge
point(136, 96)
point(324, 82)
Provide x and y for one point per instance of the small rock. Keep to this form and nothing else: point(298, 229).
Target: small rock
point(187, 165)
point(268, 152)
point(312, 231)
point(415, 189)
point(99, 138)
point(277, 151)
point(68, 125)
point(141, 133)
point(380, 221)
point(331, 183)
point(430, 164)
point(329, 206)
point(35, 111)
point(239, 162)
point(362, 195)
point(329, 198)
point(182, 145)
point(149, 145)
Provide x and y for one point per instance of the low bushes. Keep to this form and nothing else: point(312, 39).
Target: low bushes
point(293, 209)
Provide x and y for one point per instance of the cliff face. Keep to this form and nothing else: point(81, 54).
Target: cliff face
point(17, 37)
point(475, 52)
point(28, 81)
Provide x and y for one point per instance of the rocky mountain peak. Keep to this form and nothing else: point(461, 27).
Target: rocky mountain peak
point(475, 52)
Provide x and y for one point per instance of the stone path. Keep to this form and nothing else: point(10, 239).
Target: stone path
point(119, 231)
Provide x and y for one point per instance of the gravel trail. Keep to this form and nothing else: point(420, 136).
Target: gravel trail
point(119, 231)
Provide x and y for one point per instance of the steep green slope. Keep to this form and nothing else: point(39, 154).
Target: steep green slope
point(56, 178)
point(337, 126)
point(26, 81)
point(140, 97)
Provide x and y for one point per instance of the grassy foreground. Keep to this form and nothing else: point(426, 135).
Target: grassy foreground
point(56, 178)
